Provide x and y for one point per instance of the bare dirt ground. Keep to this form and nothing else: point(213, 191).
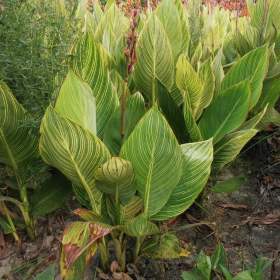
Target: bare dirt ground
point(247, 222)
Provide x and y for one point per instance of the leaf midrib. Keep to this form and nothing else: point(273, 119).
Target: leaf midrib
point(148, 182)
point(82, 178)
point(8, 150)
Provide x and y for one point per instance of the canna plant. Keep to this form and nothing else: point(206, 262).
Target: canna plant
point(18, 152)
point(18, 145)
point(138, 141)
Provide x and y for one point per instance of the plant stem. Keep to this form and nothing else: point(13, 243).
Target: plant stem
point(137, 248)
point(10, 221)
point(154, 92)
point(26, 208)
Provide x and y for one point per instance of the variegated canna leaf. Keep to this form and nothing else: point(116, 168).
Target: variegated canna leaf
point(156, 158)
point(131, 209)
point(17, 143)
point(254, 121)
point(77, 103)
point(253, 66)
point(197, 160)
point(140, 226)
point(76, 152)
point(189, 83)
point(226, 113)
point(169, 15)
point(90, 63)
point(191, 125)
point(154, 58)
point(229, 148)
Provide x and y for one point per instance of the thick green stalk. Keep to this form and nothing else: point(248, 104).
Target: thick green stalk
point(26, 208)
point(104, 255)
point(137, 248)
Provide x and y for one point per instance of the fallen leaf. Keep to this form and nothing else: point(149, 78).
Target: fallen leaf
point(233, 206)
point(264, 220)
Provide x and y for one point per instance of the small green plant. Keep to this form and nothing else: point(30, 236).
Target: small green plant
point(216, 267)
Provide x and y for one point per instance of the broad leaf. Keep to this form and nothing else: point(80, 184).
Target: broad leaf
point(156, 158)
point(74, 151)
point(196, 170)
point(226, 113)
point(154, 58)
point(77, 103)
point(168, 14)
point(90, 63)
point(229, 148)
point(253, 67)
point(17, 142)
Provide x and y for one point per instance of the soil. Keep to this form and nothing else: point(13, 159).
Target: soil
point(247, 222)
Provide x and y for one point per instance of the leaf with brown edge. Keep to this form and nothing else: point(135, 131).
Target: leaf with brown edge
point(80, 238)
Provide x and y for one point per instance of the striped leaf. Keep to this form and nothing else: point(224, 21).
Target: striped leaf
point(191, 125)
point(154, 58)
point(140, 226)
point(207, 76)
point(254, 121)
point(229, 148)
point(17, 142)
point(90, 63)
point(76, 152)
point(271, 116)
point(190, 84)
point(156, 158)
point(135, 110)
point(168, 14)
point(253, 67)
point(77, 103)
point(196, 170)
point(226, 113)
point(131, 209)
